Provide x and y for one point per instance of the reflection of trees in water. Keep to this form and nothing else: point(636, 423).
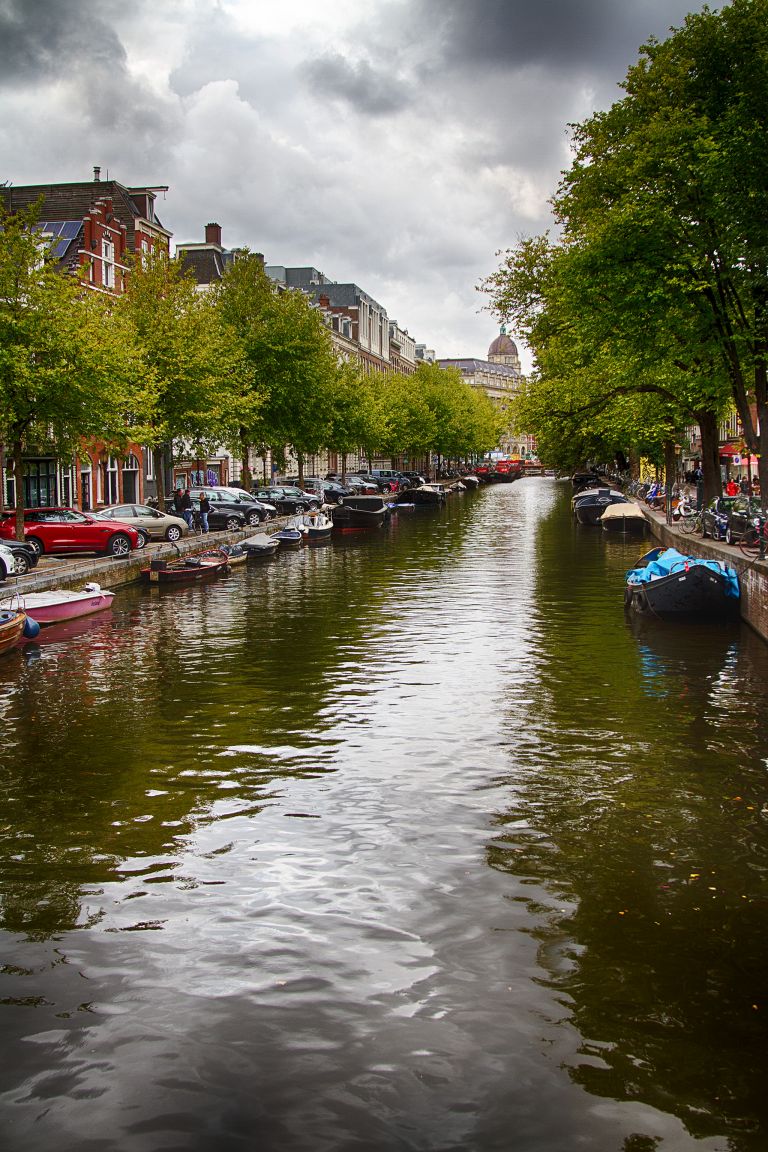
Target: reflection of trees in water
point(641, 816)
point(177, 708)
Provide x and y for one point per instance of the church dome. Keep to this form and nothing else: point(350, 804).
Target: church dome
point(503, 345)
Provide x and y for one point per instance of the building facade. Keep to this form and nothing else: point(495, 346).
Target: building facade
point(100, 226)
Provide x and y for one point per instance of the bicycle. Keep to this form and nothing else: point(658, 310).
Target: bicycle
point(687, 518)
point(754, 542)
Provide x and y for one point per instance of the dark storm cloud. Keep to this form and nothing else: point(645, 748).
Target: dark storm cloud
point(571, 34)
point(368, 90)
point(44, 39)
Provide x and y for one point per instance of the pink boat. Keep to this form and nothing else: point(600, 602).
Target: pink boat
point(60, 604)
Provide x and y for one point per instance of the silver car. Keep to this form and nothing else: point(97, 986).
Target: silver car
point(149, 522)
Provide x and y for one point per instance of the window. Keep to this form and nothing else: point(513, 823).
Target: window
point(40, 489)
point(110, 482)
point(108, 264)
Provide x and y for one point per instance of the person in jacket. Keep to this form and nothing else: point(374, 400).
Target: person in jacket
point(204, 508)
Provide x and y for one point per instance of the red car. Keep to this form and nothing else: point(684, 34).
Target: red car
point(61, 530)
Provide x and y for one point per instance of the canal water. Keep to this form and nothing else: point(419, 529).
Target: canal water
point(412, 842)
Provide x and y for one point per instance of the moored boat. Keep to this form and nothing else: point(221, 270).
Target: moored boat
point(260, 546)
point(359, 514)
point(317, 528)
point(187, 570)
point(588, 506)
point(12, 623)
point(290, 537)
point(235, 552)
point(61, 603)
point(426, 494)
point(668, 584)
point(624, 517)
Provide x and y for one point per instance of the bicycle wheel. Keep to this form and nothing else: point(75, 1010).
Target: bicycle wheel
point(750, 542)
point(689, 524)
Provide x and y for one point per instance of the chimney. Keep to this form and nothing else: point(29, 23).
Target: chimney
point(324, 301)
point(213, 234)
point(96, 173)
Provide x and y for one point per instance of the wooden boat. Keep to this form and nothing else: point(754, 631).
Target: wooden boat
point(624, 517)
point(60, 604)
point(260, 546)
point(668, 584)
point(359, 514)
point(317, 528)
point(12, 622)
point(187, 570)
point(471, 483)
point(589, 506)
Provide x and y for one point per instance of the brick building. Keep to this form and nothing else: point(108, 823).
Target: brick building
point(100, 225)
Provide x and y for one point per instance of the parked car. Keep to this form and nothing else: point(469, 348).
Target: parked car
point(7, 563)
point(24, 555)
point(390, 479)
point(366, 478)
point(714, 516)
point(255, 511)
point(63, 530)
point(745, 512)
point(150, 522)
point(416, 479)
point(227, 512)
point(327, 491)
point(288, 499)
point(362, 486)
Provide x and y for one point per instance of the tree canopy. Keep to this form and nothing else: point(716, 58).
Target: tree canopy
point(659, 279)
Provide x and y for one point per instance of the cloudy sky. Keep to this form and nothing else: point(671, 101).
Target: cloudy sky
point(398, 144)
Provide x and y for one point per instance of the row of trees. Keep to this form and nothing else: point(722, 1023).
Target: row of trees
point(245, 365)
point(649, 311)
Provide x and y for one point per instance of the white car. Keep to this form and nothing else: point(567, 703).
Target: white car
point(7, 563)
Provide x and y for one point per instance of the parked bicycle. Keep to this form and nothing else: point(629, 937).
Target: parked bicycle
point(754, 542)
point(690, 521)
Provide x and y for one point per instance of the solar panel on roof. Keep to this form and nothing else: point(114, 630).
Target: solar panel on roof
point(63, 232)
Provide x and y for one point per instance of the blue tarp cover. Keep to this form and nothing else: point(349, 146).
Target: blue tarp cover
point(671, 560)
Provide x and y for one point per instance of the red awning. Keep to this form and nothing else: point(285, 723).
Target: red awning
point(730, 450)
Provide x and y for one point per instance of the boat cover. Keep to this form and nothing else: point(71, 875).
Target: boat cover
point(670, 560)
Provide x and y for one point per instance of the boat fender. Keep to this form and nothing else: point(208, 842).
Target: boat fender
point(31, 628)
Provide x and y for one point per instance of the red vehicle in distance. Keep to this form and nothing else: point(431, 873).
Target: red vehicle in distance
point(63, 530)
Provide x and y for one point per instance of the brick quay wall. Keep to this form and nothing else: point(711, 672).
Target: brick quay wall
point(753, 574)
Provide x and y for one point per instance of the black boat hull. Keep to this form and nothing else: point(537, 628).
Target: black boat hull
point(695, 591)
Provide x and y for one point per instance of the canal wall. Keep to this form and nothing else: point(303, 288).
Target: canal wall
point(753, 574)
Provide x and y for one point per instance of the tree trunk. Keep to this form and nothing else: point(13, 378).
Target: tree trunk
point(158, 463)
point(300, 461)
point(343, 467)
point(670, 460)
point(710, 455)
point(245, 475)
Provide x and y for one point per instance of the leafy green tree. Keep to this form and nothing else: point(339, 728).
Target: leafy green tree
point(191, 370)
point(679, 168)
point(67, 365)
point(290, 366)
point(352, 413)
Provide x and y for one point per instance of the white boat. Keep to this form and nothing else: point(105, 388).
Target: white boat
point(60, 603)
point(316, 527)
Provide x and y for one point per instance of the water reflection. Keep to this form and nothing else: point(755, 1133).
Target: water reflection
point(246, 898)
point(641, 808)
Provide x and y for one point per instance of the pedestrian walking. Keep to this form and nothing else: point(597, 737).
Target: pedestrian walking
point(204, 508)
